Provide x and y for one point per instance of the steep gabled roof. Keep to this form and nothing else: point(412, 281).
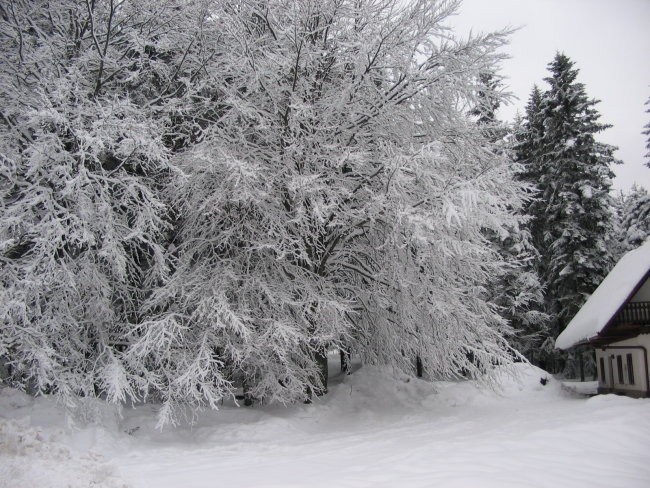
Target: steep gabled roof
point(612, 294)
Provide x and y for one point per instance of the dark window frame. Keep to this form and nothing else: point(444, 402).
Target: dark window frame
point(603, 376)
point(619, 367)
point(630, 368)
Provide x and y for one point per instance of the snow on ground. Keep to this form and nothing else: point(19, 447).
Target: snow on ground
point(33, 451)
point(581, 387)
point(374, 429)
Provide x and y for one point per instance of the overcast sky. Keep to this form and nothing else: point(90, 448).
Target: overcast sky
point(608, 40)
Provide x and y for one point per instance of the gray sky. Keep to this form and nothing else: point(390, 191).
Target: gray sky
point(608, 40)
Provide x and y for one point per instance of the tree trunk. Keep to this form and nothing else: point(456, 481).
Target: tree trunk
point(248, 398)
point(419, 370)
point(345, 361)
point(321, 359)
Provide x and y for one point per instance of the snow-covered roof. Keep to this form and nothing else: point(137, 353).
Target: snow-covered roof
point(617, 287)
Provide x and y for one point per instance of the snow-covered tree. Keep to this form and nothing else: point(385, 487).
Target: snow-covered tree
point(528, 132)
point(488, 100)
point(633, 215)
point(94, 97)
point(572, 218)
point(519, 293)
point(339, 201)
point(517, 290)
point(199, 194)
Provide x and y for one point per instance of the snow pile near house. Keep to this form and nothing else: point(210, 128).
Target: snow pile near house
point(601, 306)
point(522, 379)
point(515, 384)
point(384, 389)
point(585, 388)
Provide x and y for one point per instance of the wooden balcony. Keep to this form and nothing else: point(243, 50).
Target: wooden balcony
point(634, 313)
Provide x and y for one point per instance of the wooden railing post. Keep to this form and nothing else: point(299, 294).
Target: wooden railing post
point(634, 313)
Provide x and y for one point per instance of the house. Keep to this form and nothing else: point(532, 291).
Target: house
point(615, 320)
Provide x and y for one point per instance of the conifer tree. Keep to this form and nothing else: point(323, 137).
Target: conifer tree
point(633, 213)
point(528, 134)
point(488, 99)
point(517, 288)
point(572, 218)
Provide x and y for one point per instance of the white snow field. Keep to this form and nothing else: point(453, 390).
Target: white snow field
point(374, 429)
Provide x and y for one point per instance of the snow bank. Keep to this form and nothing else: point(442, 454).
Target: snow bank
point(518, 383)
point(34, 458)
point(601, 306)
point(42, 446)
point(376, 389)
point(376, 428)
point(526, 380)
point(585, 388)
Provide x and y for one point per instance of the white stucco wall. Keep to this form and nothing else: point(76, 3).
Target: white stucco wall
point(643, 295)
point(639, 360)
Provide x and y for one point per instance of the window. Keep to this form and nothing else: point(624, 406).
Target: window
point(603, 379)
point(630, 369)
point(619, 367)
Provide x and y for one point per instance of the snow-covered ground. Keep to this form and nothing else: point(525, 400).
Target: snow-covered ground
point(374, 429)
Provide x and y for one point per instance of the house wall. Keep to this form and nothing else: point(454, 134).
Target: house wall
point(643, 295)
point(640, 365)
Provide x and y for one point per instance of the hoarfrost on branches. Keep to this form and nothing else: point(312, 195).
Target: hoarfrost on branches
point(89, 92)
point(216, 203)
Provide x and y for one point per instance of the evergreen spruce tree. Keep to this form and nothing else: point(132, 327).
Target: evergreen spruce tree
point(488, 101)
point(528, 135)
point(633, 215)
point(517, 290)
point(572, 219)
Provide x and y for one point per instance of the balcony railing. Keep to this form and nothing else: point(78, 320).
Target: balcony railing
point(634, 313)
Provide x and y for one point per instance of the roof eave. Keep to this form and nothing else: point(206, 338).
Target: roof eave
point(610, 321)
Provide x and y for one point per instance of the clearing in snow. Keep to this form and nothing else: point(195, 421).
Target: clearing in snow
point(374, 429)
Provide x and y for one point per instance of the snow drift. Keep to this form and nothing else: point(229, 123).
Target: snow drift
point(376, 428)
